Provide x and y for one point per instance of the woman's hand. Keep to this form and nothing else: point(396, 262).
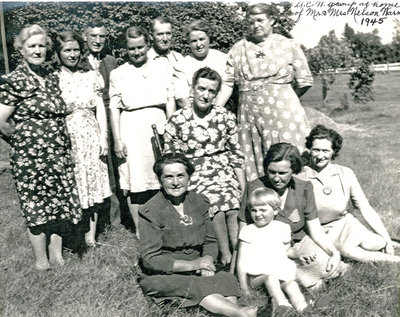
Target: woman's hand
point(204, 263)
point(333, 265)
point(6, 129)
point(103, 146)
point(307, 259)
point(120, 149)
point(206, 273)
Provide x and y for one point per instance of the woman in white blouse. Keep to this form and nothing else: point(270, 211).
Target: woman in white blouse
point(141, 94)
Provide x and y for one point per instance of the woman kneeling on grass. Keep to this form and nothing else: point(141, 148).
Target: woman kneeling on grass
point(178, 246)
point(334, 187)
point(262, 254)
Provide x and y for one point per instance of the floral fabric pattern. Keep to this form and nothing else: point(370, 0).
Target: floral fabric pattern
point(269, 109)
point(40, 155)
point(213, 147)
point(81, 92)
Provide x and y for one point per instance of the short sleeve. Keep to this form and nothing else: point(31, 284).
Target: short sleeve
point(310, 208)
point(302, 72)
point(114, 92)
point(244, 234)
point(228, 77)
point(9, 95)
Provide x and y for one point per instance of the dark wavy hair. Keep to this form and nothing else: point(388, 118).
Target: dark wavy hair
point(70, 36)
point(284, 151)
point(322, 132)
point(172, 158)
point(207, 73)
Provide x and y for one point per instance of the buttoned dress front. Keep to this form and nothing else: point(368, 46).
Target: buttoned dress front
point(269, 110)
point(212, 146)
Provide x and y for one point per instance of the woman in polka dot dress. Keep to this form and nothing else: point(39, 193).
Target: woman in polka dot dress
point(264, 67)
point(87, 126)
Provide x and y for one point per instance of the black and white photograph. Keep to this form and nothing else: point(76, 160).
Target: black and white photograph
point(200, 158)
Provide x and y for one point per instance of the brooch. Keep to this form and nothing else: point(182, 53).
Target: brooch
point(186, 220)
point(327, 190)
point(260, 54)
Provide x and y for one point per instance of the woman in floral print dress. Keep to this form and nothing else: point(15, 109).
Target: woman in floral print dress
point(40, 147)
point(81, 91)
point(264, 67)
point(207, 135)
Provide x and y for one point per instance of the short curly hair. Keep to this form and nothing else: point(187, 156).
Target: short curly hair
point(284, 152)
point(322, 132)
point(28, 32)
point(172, 158)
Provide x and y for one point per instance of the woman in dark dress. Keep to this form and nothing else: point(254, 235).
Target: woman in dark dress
point(40, 156)
point(178, 246)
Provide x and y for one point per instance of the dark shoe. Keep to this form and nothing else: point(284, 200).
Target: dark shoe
point(283, 311)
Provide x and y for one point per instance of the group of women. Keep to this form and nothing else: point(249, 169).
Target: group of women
point(186, 202)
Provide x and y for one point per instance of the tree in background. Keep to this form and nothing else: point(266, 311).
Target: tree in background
point(367, 48)
point(226, 20)
point(326, 58)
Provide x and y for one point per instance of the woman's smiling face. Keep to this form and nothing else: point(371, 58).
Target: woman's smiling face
point(174, 179)
point(321, 153)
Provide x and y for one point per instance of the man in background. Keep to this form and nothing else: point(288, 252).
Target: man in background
point(95, 36)
point(161, 34)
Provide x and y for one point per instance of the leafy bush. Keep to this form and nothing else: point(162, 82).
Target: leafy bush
point(227, 24)
point(361, 82)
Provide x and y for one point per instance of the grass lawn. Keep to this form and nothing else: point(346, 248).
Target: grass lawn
point(102, 282)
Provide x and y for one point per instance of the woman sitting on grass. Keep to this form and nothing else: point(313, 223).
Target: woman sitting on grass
point(334, 187)
point(178, 246)
point(262, 254)
point(315, 255)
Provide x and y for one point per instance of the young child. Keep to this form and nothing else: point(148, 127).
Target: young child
point(262, 254)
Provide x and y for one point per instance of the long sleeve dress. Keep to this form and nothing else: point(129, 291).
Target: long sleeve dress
point(212, 146)
point(269, 110)
point(165, 237)
point(81, 93)
point(141, 94)
point(40, 148)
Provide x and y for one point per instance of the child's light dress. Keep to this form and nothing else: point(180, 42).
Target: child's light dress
point(263, 250)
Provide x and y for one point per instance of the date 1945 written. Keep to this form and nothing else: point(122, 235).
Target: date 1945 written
point(372, 21)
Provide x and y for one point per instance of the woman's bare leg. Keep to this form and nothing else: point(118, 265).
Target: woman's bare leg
point(218, 304)
point(134, 210)
point(55, 250)
point(39, 249)
point(233, 226)
point(221, 231)
point(90, 236)
point(362, 255)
